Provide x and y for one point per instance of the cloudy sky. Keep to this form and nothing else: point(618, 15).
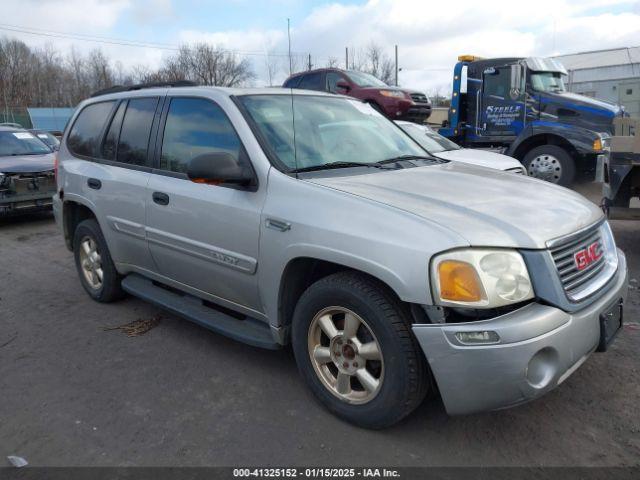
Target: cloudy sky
point(430, 34)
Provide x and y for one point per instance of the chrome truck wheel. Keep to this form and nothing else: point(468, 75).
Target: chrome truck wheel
point(355, 349)
point(550, 163)
point(346, 355)
point(545, 167)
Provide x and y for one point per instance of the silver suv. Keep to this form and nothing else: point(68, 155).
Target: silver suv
point(279, 217)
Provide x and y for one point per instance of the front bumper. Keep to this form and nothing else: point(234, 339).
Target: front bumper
point(417, 113)
point(540, 346)
point(25, 203)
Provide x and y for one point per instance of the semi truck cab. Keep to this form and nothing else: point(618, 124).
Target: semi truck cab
point(521, 106)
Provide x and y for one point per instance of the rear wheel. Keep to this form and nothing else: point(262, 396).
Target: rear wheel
point(354, 348)
point(95, 267)
point(550, 163)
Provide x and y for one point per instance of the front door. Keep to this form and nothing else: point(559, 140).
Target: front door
point(502, 107)
point(203, 236)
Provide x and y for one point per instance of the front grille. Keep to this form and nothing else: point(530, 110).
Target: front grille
point(573, 279)
point(419, 98)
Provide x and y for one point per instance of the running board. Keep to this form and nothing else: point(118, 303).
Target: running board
point(247, 330)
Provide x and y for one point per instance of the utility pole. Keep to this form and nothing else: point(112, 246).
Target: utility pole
point(309, 63)
point(346, 58)
point(396, 65)
point(289, 36)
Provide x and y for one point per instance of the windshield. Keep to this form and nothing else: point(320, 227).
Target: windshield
point(327, 130)
point(547, 82)
point(21, 143)
point(431, 141)
point(364, 79)
point(47, 138)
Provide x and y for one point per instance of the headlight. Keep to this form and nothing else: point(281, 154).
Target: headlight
point(484, 278)
point(392, 93)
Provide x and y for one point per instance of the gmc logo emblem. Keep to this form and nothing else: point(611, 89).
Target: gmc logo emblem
point(588, 255)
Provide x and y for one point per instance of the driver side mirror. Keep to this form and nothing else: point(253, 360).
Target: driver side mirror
point(219, 168)
point(342, 85)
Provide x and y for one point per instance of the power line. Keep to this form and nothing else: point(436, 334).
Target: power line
point(137, 44)
point(120, 42)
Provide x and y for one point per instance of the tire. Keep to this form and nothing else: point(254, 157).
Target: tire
point(108, 289)
point(551, 163)
point(402, 373)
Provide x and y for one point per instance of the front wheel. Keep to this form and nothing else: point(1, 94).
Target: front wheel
point(354, 348)
point(550, 163)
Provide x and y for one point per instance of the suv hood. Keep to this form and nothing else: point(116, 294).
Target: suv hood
point(485, 207)
point(27, 163)
point(482, 158)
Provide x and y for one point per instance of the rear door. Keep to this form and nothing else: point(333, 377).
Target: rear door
point(200, 235)
point(116, 175)
point(502, 108)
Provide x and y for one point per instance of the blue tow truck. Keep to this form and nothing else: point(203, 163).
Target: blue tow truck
point(520, 106)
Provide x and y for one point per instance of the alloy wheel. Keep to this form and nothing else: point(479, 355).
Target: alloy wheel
point(346, 355)
point(91, 262)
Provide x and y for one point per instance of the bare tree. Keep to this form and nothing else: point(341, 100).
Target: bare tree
point(272, 66)
point(207, 65)
point(379, 64)
point(332, 62)
point(42, 77)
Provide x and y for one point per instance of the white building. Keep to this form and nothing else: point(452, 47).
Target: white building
point(612, 75)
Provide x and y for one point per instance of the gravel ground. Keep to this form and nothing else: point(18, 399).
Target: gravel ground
point(74, 393)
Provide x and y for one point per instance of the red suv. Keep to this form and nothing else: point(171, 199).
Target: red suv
point(393, 102)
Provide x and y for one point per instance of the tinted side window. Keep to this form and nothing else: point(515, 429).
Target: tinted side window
point(108, 150)
point(292, 82)
point(194, 127)
point(332, 79)
point(312, 81)
point(84, 137)
point(136, 130)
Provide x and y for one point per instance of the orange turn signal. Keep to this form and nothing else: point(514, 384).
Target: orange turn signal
point(597, 145)
point(459, 282)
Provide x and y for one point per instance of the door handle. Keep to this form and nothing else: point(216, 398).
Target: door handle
point(160, 198)
point(94, 183)
point(277, 225)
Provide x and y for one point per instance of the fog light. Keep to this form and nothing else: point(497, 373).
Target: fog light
point(542, 368)
point(478, 338)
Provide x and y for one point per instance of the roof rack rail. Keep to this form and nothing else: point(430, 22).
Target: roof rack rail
point(141, 86)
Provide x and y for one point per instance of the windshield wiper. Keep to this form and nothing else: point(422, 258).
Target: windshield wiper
point(332, 165)
point(402, 158)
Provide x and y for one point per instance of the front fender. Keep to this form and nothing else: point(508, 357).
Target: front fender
point(325, 224)
point(578, 137)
